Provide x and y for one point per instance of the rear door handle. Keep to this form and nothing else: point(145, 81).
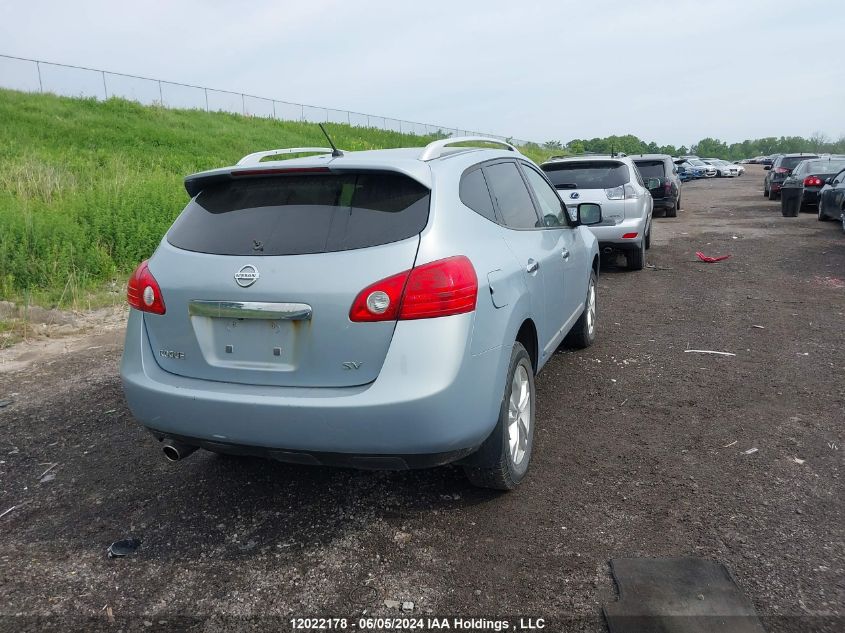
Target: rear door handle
point(533, 266)
point(564, 253)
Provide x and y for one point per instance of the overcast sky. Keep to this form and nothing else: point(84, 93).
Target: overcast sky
point(668, 71)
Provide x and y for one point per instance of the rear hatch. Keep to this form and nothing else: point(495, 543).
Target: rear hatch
point(653, 169)
point(787, 164)
point(601, 181)
point(258, 275)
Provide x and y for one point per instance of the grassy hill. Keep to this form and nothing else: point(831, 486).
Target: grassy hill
point(88, 188)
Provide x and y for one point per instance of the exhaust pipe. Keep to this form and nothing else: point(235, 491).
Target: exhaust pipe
point(607, 250)
point(174, 451)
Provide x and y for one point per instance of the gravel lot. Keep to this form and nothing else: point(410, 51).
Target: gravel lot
point(640, 451)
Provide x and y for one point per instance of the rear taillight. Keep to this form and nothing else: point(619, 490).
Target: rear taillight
point(622, 192)
point(782, 170)
point(812, 181)
point(143, 292)
point(441, 288)
point(667, 186)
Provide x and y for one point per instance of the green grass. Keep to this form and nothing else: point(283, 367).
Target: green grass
point(88, 188)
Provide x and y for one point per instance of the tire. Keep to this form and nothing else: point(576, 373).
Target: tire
point(773, 195)
point(583, 333)
point(673, 212)
point(636, 257)
point(821, 216)
point(648, 239)
point(765, 190)
point(499, 463)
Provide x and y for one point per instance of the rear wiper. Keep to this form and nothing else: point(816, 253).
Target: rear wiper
point(567, 185)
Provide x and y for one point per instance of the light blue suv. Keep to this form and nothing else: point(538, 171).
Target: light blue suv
point(379, 309)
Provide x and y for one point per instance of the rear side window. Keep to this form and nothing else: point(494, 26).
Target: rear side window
point(588, 174)
point(297, 215)
point(513, 198)
point(651, 168)
point(547, 198)
point(475, 194)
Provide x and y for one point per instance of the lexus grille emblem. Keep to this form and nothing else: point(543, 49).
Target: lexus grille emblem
point(247, 276)
point(574, 195)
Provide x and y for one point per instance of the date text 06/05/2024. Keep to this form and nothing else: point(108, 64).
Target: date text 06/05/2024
point(416, 624)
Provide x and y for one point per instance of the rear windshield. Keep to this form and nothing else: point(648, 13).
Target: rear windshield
point(824, 166)
point(296, 215)
point(651, 168)
point(789, 162)
point(587, 175)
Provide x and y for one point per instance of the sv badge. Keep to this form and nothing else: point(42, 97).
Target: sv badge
point(352, 364)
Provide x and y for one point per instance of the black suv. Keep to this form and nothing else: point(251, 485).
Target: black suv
point(667, 195)
point(779, 170)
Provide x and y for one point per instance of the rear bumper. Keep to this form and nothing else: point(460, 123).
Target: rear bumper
point(432, 397)
point(663, 203)
point(611, 236)
point(810, 196)
point(775, 186)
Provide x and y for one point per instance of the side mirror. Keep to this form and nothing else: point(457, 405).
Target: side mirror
point(652, 183)
point(829, 181)
point(767, 167)
point(589, 213)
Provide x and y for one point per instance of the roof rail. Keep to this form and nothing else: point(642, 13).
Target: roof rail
point(436, 149)
point(255, 157)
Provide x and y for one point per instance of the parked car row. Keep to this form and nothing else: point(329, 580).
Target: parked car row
point(725, 169)
point(815, 183)
point(778, 171)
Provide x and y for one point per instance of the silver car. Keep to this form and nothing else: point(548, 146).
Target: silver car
point(613, 182)
point(378, 309)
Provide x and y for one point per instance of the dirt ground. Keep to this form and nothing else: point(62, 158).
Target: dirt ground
point(641, 449)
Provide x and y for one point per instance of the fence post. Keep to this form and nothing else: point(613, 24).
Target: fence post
point(348, 118)
point(38, 68)
point(274, 109)
point(160, 95)
point(243, 103)
point(206, 99)
point(302, 115)
point(105, 90)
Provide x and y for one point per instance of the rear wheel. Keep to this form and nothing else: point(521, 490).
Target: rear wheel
point(765, 190)
point(772, 195)
point(583, 334)
point(502, 461)
point(822, 217)
point(673, 212)
point(648, 239)
point(636, 257)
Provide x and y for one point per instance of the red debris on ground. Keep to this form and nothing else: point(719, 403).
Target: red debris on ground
point(708, 259)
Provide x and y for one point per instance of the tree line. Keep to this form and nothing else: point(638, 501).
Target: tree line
point(706, 147)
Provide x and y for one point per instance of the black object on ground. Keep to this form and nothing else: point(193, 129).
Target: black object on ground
point(5, 403)
point(678, 595)
point(119, 549)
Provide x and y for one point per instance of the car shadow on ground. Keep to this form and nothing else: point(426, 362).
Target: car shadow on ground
point(223, 506)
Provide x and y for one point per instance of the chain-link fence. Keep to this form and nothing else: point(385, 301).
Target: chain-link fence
point(32, 75)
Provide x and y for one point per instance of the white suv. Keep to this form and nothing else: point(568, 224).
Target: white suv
point(615, 183)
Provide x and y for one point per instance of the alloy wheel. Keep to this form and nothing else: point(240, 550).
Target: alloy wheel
point(519, 414)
